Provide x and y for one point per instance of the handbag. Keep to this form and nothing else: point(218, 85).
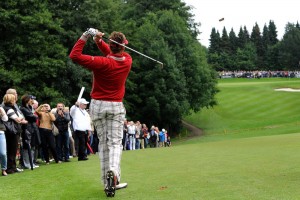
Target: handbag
point(2, 126)
point(12, 127)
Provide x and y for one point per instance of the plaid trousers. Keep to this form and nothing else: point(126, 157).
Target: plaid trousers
point(108, 118)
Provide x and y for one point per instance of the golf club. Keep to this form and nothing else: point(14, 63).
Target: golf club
point(134, 50)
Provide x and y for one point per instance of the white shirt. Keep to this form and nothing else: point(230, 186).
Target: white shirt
point(80, 118)
point(131, 129)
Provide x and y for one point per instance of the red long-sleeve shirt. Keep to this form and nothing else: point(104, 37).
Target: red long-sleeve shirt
point(109, 72)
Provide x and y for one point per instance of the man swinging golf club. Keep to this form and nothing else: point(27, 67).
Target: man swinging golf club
point(106, 109)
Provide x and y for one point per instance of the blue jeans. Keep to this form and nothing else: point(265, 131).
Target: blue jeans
point(3, 157)
point(137, 143)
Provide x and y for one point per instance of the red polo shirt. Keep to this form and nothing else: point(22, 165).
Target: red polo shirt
point(109, 72)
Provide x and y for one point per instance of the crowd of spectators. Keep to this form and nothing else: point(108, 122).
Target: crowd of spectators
point(138, 136)
point(31, 134)
point(259, 74)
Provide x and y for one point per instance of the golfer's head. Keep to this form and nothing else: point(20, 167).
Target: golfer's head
point(120, 38)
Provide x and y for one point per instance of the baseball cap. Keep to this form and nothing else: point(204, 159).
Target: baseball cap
point(83, 101)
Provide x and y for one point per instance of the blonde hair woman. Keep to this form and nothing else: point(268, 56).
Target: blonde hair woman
point(14, 115)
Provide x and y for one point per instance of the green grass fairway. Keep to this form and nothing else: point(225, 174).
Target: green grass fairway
point(249, 168)
point(249, 151)
point(251, 107)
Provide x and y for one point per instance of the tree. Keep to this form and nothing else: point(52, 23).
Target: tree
point(224, 43)
point(256, 39)
point(289, 48)
point(233, 41)
point(164, 96)
point(215, 41)
point(245, 58)
point(31, 56)
point(272, 33)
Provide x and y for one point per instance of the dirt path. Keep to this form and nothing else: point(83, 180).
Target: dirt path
point(195, 131)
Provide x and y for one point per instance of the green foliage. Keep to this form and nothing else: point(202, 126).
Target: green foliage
point(36, 60)
point(261, 51)
point(246, 57)
point(31, 56)
point(289, 48)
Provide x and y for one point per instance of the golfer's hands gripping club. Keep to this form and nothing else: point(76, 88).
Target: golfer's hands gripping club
point(90, 32)
point(98, 36)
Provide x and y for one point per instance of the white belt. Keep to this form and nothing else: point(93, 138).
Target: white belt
point(1, 132)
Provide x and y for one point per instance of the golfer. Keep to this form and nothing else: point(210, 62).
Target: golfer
point(107, 111)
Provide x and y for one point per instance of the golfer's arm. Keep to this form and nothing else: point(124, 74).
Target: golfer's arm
point(103, 47)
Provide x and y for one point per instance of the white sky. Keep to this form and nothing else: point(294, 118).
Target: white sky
point(239, 13)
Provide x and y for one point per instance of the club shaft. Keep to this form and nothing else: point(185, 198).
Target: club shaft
point(134, 50)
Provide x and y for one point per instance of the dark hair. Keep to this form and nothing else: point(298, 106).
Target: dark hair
point(118, 37)
point(25, 99)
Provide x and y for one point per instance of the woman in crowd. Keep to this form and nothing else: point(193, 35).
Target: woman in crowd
point(29, 133)
point(46, 122)
point(15, 116)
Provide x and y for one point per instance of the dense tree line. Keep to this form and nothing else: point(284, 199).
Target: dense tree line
point(260, 50)
point(37, 36)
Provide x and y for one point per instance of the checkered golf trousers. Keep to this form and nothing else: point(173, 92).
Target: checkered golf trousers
point(108, 118)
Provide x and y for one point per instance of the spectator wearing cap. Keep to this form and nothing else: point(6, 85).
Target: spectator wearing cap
point(45, 127)
point(81, 126)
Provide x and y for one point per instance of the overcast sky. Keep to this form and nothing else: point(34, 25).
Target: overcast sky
point(237, 13)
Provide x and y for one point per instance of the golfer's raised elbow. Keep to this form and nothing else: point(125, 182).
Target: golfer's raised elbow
point(73, 57)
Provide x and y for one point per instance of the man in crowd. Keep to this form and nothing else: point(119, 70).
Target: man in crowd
point(62, 139)
point(81, 125)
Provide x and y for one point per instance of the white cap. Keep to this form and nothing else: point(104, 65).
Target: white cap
point(163, 130)
point(83, 101)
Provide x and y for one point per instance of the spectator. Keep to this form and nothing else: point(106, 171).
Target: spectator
point(18, 111)
point(3, 156)
point(46, 123)
point(62, 139)
point(29, 133)
point(166, 138)
point(169, 141)
point(12, 138)
point(162, 138)
point(125, 135)
point(137, 135)
point(131, 134)
point(37, 143)
point(153, 137)
point(81, 126)
point(144, 136)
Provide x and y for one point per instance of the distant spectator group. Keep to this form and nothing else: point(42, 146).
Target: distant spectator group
point(258, 74)
point(138, 136)
point(31, 134)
